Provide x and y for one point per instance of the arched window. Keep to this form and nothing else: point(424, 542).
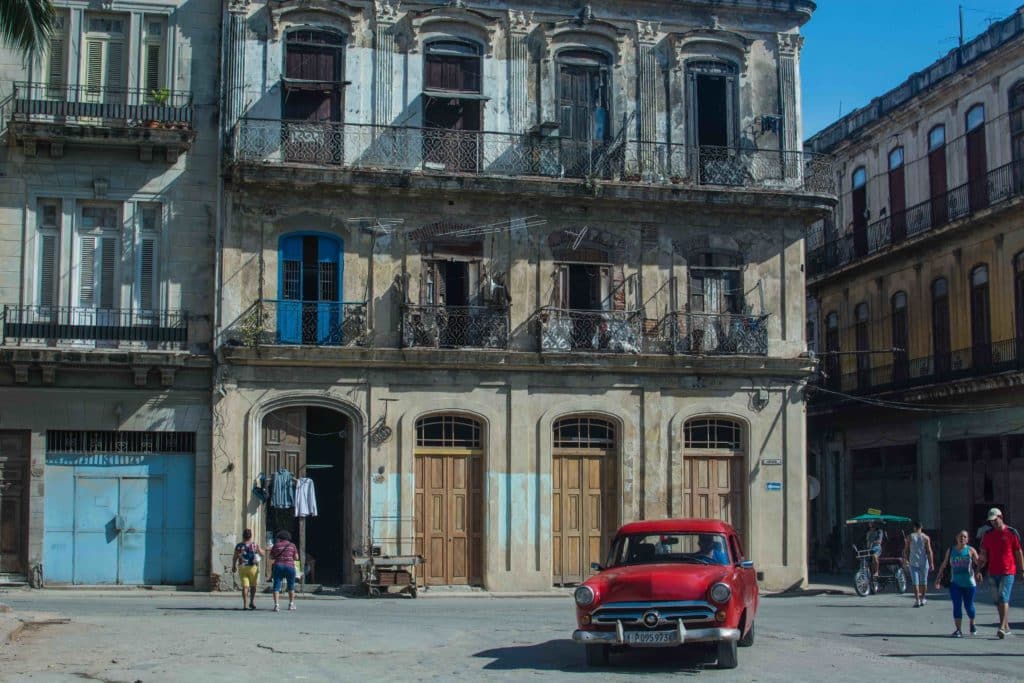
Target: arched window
point(1017, 127)
point(584, 432)
point(981, 318)
point(832, 366)
point(713, 433)
point(448, 431)
point(940, 326)
point(862, 338)
point(977, 158)
point(937, 180)
point(859, 205)
point(900, 337)
point(897, 197)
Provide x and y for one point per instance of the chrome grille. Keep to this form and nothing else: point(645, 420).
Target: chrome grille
point(632, 612)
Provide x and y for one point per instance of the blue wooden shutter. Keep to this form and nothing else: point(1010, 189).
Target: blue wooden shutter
point(289, 306)
point(328, 319)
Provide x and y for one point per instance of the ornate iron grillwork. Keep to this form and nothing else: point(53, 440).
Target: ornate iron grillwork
point(294, 322)
point(455, 327)
point(435, 150)
point(131, 443)
point(710, 334)
point(74, 323)
point(601, 331)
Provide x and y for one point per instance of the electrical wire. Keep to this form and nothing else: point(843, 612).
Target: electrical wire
point(913, 407)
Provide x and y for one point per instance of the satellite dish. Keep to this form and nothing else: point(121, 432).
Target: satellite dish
point(813, 487)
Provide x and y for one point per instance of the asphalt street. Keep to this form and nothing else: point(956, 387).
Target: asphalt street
point(157, 636)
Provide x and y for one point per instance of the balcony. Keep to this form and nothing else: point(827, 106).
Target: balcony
point(971, 362)
point(996, 188)
point(564, 329)
point(712, 334)
point(448, 327)
point(300, 323)
point(47, 325)
point(118, 117)
point(360, 147)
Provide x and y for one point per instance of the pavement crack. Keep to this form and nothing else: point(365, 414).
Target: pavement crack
point(291, 652)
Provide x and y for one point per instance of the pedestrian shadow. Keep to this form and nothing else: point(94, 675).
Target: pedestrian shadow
point(566, 656)
point(900, 636)
point(205, 609)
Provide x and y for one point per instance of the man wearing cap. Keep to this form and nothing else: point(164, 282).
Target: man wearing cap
point(1001, 554)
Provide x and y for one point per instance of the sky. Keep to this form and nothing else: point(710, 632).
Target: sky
point(856, 50)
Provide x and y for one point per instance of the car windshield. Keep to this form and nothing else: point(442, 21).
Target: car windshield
point(686, 547)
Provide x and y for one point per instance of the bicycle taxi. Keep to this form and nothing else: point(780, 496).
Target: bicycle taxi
point(892, 570)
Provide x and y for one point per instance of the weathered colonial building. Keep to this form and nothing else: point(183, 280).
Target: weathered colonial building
point(108, 204)
point(916, 293)
point(518, 272)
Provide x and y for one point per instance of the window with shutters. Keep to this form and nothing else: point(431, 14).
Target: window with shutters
point(104, 71)
point(99, 254)
point(147, 285)
point(153, 51)
point(862, 338)
point(56, 60)
point(48, 226)
point(716, 283)
point(1017, 127)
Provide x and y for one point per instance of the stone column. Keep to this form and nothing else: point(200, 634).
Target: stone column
point(647, 80)
point(520, 117)
point(234, 64)
point(789, 93)
point(385, 17)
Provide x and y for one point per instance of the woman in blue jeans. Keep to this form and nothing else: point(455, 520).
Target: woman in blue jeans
point(963, 566)
point(284, 553)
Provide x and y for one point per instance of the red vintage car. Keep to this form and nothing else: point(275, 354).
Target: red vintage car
point(669, 582)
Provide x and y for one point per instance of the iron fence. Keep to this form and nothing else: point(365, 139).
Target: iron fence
point(368, 147)
point(710, 334)
point(484, 327)
point(582, 330)
point(998, 185)
point(42, 102)
point(41, 324)
point(973, 361)
point(302, 323)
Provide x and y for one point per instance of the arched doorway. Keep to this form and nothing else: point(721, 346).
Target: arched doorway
point(312, 442)
point(582, 495)
point(714, 471)
point(449, 459)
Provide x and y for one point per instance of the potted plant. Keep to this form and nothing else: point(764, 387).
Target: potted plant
point(158, 97)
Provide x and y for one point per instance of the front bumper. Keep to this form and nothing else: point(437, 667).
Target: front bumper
point(680, 636)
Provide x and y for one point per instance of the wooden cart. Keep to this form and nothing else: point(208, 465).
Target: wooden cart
point(387, 564)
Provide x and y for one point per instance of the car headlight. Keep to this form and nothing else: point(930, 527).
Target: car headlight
point(584, 596)
point(720, 592)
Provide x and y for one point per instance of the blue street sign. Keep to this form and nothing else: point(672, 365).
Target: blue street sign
point(773, 486)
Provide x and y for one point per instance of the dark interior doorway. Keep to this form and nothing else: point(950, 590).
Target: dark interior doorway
point(584, 287)
point(325, 534)
point(712, 115)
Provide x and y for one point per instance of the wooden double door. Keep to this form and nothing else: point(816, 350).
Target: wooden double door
point(449, 519)
point(713, 488)
point(582, 515)
point(14, 475)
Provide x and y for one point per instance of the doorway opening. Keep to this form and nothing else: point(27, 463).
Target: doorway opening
point(314, 443)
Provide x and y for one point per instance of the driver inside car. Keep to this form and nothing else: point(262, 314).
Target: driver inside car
point(710, 547)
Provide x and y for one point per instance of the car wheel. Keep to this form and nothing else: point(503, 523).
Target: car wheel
point(901, 579)
point(597, 655)
point(727, 656)
point(862, 583)
point(748, 638)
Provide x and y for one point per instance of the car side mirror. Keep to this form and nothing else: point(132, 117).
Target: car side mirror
point(747, 564)
point(596, 567)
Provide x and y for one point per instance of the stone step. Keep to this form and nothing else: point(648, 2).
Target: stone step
point(11, 580)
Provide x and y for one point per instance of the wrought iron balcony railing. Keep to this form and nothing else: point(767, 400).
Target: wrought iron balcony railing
point(974, 361)
point(300, 323)
point(564, 329)
point(710, 334)
point(997, 186)
point(434, 150)
point(43, 324)
point(45, 103)
point(450, 327)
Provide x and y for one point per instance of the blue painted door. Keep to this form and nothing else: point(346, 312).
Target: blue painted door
point(328, 318)
point(119, 519)
point(289, 307)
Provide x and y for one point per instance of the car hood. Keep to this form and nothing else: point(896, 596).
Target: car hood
point(669, 581)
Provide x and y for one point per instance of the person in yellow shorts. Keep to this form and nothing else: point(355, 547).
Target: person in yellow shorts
point(246, 563)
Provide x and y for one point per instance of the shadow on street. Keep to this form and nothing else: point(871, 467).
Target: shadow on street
point(566, 656)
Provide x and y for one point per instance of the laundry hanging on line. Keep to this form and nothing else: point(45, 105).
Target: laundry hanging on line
point(305, 498)
point(282, 489)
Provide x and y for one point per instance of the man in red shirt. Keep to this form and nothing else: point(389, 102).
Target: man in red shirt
point(1001, 554)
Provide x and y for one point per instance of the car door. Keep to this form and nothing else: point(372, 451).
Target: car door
point(746, 578)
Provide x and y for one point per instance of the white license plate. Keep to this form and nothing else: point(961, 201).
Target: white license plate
point(651, 637)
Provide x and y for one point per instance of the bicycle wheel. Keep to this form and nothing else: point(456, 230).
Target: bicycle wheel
point(862, 582)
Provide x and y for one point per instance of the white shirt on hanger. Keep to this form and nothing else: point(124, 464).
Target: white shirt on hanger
point(305, 498)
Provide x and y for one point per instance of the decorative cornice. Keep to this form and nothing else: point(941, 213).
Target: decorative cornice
point(647, 32)
point(386, 11)
point(790, 44)
point(519, 21)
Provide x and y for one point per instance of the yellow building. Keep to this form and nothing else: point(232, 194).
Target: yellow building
point(916, 298)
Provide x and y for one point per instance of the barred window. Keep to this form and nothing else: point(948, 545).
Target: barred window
point(73, 441)
point(448, 431)
point(584, 432)
point(713, 433)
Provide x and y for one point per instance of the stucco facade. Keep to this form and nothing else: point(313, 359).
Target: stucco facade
point(416, 251)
